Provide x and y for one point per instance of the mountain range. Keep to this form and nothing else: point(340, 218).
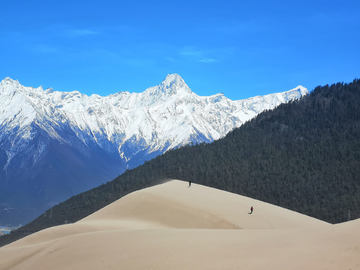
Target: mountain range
point(54, 145)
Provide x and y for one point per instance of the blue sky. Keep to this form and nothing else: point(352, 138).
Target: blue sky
point(239, 48)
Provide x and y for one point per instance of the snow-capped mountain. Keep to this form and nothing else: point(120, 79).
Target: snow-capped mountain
point(56, 144)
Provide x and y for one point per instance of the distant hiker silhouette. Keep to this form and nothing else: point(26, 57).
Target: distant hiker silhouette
point(251, 210)
point(189, 183)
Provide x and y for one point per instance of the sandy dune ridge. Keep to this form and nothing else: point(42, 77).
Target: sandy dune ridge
point(171, 226)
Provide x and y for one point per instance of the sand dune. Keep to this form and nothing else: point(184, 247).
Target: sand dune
point(171, 226)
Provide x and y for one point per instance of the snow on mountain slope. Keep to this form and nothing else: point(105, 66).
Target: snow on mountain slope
point(167, 114)
point(44, 128)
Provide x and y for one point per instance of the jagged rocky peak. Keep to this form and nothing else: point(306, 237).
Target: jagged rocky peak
point(173, 79)
point(296, 92)
point(8, 81)
point(49, 90)
point(172, 84)
point(302, 90)
point(11, 85)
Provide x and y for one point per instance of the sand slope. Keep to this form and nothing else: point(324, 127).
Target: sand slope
point(171, 226)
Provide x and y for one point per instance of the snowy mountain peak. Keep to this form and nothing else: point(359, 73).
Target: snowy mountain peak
point(6, 80)
point(9, 83)
point(172, 85)
point(173, 79)
point(49, 90)
point(301, 90)
point(296, 92)
point(14, 86)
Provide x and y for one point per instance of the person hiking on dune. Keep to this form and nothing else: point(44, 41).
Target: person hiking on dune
point(251, 210)
point(189, 183)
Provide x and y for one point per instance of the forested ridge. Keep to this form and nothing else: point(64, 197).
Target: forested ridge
point(304, 156)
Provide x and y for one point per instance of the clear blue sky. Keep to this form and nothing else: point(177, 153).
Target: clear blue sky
point(240, 48)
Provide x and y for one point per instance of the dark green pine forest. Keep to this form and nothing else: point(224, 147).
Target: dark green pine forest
point(303, 155)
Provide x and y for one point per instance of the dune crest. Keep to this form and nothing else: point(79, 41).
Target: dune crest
point(199, 207)
point(171, 226)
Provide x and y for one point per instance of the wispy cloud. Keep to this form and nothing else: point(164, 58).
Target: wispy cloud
point(74, 33)
point(208, 60)
point(197, 55)
point(171, 59)
point(240, 27)
point(43, 48)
